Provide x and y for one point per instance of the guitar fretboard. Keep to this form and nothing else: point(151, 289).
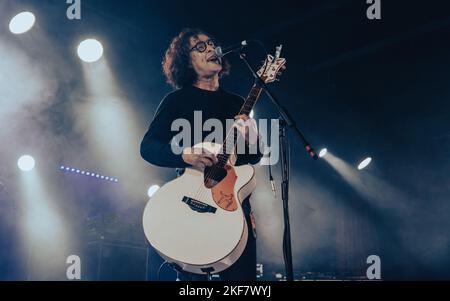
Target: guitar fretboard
point(230, 141)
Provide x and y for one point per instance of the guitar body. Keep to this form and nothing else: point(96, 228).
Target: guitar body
point(200, 229)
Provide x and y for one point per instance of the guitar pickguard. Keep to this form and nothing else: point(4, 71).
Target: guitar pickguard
point(223, 192)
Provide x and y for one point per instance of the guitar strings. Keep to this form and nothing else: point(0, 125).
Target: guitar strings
point(203, 190)
point(255, 97)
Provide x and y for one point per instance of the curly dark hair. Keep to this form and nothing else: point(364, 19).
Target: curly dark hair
point(177, 62)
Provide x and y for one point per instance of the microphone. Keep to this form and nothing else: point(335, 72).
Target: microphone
point(221, 52)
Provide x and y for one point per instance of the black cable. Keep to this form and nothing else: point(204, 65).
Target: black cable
point(287, 161)
point(287, 154)
point(272, 182)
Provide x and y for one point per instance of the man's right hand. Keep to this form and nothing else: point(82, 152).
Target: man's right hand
point(199, 158)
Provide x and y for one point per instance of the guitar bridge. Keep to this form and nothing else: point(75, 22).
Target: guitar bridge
point(198, 206)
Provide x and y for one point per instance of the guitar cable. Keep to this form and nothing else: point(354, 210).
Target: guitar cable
point(272, 182)
point(158, 274)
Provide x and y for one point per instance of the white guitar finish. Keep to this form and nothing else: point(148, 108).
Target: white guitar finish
point(197, 241)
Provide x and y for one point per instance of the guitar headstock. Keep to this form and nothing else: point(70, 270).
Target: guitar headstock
point(273, 65)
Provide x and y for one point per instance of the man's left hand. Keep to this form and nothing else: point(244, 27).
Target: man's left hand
point(247, 127)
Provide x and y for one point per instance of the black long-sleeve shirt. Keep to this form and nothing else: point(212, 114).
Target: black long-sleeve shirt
point(156, 145)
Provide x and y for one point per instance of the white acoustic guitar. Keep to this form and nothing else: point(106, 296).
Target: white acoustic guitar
point(196, 221)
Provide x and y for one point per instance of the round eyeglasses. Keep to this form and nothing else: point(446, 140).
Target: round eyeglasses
point(202, 45)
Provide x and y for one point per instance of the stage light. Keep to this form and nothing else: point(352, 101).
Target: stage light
point(364, 163)
point(22, 22)
point(252, 113)
point(26, 163)
point(90, 50)
point(152, 190)
point(323, 152)
point(87, 173)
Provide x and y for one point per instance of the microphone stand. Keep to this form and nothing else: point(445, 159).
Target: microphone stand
point(286, 122)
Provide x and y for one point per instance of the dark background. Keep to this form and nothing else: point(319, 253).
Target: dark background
point(356, 86)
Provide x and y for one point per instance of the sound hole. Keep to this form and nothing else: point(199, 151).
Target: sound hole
point(213, 175)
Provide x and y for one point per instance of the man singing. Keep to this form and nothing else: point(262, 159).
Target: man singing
point(194, 70)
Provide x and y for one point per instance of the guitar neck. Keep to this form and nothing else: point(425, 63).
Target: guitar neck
point(250, 101)
point(231, 138)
